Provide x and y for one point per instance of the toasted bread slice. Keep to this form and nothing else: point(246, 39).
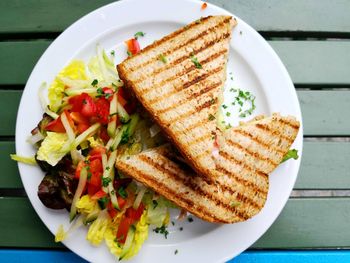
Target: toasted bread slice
point(182, 93)
point(247, 155)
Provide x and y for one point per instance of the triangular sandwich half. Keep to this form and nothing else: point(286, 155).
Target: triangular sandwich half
point(179, 81)
point(250, 152)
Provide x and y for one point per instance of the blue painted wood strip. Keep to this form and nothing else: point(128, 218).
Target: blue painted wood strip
point(319, 256)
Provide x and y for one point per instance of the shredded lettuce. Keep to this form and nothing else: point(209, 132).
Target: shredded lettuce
point(86, 205)
point(293, 153)
point(98, 228)
point(51, 149)
point(22, 159)
point(141, 234)
point(157, 212)
point(74, 71)
point(61, 234)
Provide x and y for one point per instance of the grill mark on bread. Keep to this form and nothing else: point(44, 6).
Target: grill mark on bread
point(288, 123)
point(197, 109)
point(190, 184)
point(187, 71)
point(169, 51)
point(183, 58)
point(266, 128)
point(251, 153)
point(200, 139)
point(239, 196)
point(182, 85)
point(241, 163)
point(190, 97)
point(168, 192)
point(258, 141)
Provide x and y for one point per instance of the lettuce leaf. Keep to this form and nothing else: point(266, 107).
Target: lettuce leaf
point(293, 153)
point(74, 71)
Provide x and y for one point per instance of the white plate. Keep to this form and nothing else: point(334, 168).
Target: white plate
point(255, 67)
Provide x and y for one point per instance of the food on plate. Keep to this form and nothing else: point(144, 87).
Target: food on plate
point(183, 95)
point(244, 159)
point(106, 161)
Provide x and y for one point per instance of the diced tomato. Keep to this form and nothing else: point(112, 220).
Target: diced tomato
point(82, 127)
point(96, 172)
point(102, 110)
point(55, 126)
point(135, 214)
point(96, 153)
point(104, 135)
point(92, 189)
point(130, 107)
point(80, 166)
point(123, 229)
point(99, 194)
point(111, 210)
point(79, 118)
point(121, 100)
point(88, 108)
point(108, 92)
point(133, 46)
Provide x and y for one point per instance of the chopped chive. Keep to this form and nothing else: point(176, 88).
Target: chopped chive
point(94, 82)
point(163, 58)
point(196, 62)
point(224, 106)
point(211, 117)
point(139, 34)
point(228, 114)
point(129, 53)
point(113, 53)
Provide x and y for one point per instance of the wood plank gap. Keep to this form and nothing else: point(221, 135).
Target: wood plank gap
point(332, 87)
point(303, 35)
point(12, 192)
point(28, 36)
point(320, 193)
point(7, 138)
point(9, 87)
point(328, 137)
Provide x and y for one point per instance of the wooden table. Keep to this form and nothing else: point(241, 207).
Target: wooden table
point(312, 39)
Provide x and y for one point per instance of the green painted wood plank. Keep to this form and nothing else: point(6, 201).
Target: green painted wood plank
point(292, 15)
point(325, 112)
point(324, 166)
point(9, 172)
point(315, 62)
point(310, 223)
point(43, 16)
point(17, 59)
point(21, 227)
point(51, 15)
point(9, 101)
point(308, 62)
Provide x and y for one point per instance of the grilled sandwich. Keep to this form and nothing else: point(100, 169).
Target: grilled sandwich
point(246, 155)
point(179, 81)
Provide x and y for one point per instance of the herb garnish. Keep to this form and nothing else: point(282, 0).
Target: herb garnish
point(105, 181)
point(190, 219)
point(112, 52)
point(224, 106)
point(129, 53)
point(211, 117)
point(162, 230)
point(139, 34)
point(196, 62)
point(176, 251)
point(163, 58)
point(235, 204)
point(102, 202)
point(94, 82)
point(122, 192)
